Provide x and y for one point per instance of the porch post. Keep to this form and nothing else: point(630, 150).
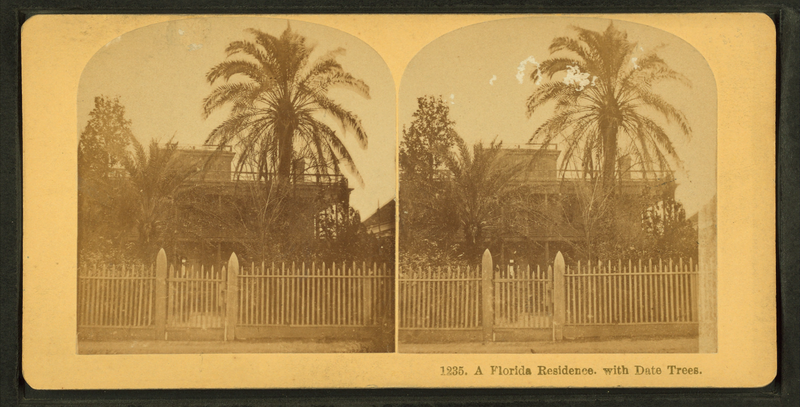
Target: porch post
point(231, 297)
point(559, 298)
point(160, 312)
point(487, 271)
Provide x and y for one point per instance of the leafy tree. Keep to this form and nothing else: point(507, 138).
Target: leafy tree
point(603, 102)
point(101, 147)
point(430, 133)
point(276, 99)
point(667, 231)
point(427, 227)
point(105, 138)
point(342, 235)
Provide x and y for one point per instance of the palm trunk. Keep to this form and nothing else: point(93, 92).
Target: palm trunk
point(607, 222)
point(469, 239)
point(478, 242)
point(473, 238)
point(609, 129)
point(285, 154)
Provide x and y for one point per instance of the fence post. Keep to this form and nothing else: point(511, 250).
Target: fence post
point(161, 295)
point(559, 297)
point(367, 300)
point(488, 296)
point(231, 297)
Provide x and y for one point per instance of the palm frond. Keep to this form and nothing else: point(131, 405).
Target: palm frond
point(239, 94)
point(669, 111)
point(570, 44)
point(546, 93)
point(553, 66)
point(251, 49)
point(323, 81)
point(226, 69)
point(348, 119)
point(340, 153)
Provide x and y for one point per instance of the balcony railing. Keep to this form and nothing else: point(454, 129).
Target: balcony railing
point(230, 176)
point(304, 178)
point(531, 146)
point(204, 147)
point(572, 175)
point(634, 175)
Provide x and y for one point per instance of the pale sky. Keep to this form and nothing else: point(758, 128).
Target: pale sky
point(476, 70)
point(158, 72)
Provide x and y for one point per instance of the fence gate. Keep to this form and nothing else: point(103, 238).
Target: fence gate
point(523, 298)
point(196, 297)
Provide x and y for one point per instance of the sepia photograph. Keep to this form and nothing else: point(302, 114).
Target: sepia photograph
point(236, 191)
point(557, 191)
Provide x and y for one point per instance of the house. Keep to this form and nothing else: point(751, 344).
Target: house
point(381, 224)
point(218, 209)
point(549, 210)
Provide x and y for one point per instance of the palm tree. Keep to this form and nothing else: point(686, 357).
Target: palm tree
point(147, 198)
point(480, 179)
point(601, 104)
point(276, 100)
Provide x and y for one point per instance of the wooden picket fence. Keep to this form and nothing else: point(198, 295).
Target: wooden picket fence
point(314, 294)
point(517, 301)
point(116, 296)
point(631, 293)
point(442, 298)
point(310, 295)
point(216, 302)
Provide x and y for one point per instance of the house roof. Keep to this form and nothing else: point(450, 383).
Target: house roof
point(384, 215)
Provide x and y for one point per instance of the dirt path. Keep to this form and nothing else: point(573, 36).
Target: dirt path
point(151, 347)
point(679, 345)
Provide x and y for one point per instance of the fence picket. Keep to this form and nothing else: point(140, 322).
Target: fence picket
point(256, 295)
point(150, 296)
point(104, 297)
point(629, 294)
point(109, 295)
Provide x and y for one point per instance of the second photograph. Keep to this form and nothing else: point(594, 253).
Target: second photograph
point(557, 191)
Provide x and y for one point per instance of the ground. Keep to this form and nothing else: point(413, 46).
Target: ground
point(149, 347)
point(673, 345)
point(657, 345)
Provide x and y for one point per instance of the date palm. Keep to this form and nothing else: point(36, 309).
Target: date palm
point(277, 99)
point(153, 177)
point(603, 102)
point(481, 178)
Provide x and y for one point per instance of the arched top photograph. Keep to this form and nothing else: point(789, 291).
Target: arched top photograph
point(237, 151)
point(528, 140)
